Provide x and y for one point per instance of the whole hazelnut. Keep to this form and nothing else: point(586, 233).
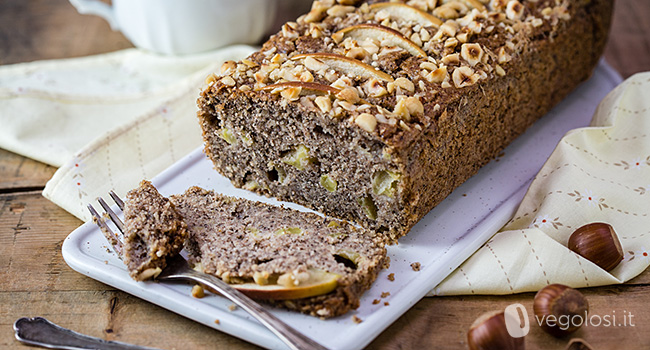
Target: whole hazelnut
point(559, 309)
point(598, 243)
point(489, 332)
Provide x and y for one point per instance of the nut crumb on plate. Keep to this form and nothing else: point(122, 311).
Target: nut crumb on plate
point(356, 319)
point(416, 266)
point(391, 277)
point(197, 291)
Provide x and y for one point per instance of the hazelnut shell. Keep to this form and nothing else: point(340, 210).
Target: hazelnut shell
point(489, 332)
point(598, 243)
point(558, 300)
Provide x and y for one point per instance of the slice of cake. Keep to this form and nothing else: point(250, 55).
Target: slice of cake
point(153, 231)
point(297, 260)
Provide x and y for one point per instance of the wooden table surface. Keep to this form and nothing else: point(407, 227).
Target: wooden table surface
point(35, 281)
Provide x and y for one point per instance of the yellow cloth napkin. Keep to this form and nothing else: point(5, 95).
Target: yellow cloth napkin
point(597, 173)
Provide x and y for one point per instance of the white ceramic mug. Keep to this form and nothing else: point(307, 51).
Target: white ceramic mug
point(187, 26)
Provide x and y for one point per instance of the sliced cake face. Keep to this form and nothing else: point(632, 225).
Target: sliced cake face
point(375, 112)
point(277, 253)
point(153, 231)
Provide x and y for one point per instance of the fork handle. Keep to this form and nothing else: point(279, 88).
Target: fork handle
point(39, 331)
point(294, 339)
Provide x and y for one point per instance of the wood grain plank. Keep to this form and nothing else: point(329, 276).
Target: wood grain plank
point(18, 172)
point(34, 279)
point(442, 322)
point(111, 315)
point(32, 230)
point(628, 47)
point(31, 226)
point(52, 29)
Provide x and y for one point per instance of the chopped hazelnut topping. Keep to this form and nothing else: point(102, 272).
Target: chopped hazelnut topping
point(449, 28)
point(348, 94)
point(500, 72)
point(357, 53)
point(289, 31)
point(197, 291)
point(391, 277)
point(228, 81)
point(211, 79)
point(324, 103)
point(374, 88)
point(472, 53)
point(249, 63)
point(437, 76)
point(261, 278)
point(291, 94)
point(498, 4)
point(464, 76)
point(405, 84)
point(414, 106)
point(428, 65)
point(366, 121)
point(340, 10)
point(503, 56)
point(228, 67)
point(451, 42)
point(514, 10)
point(451, 59)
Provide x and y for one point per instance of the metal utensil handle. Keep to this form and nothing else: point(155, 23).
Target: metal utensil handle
point(41, 332)
point(289, 335)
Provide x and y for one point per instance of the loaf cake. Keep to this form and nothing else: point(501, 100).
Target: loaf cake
point(153, 231)
point(374, 111)
point(300, 261)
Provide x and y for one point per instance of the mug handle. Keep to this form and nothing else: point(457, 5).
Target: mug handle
point(97, 8)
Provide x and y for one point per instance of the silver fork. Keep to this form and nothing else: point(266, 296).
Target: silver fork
point(178, 270)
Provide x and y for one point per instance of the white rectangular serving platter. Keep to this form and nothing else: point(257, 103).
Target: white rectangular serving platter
point(440, 242)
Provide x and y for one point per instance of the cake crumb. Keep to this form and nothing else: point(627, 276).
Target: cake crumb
point(217, 321)
point(376, 301)
point(391, 277)
point(386, 303)
point(385, 294)
point(416, 266)
point(232, 307)
point(197, 291)
point(356, 319)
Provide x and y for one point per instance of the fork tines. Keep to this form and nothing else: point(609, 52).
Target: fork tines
point(114, 238)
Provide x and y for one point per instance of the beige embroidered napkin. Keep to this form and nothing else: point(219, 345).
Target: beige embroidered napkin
point(598, 173)
point(49, 110)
